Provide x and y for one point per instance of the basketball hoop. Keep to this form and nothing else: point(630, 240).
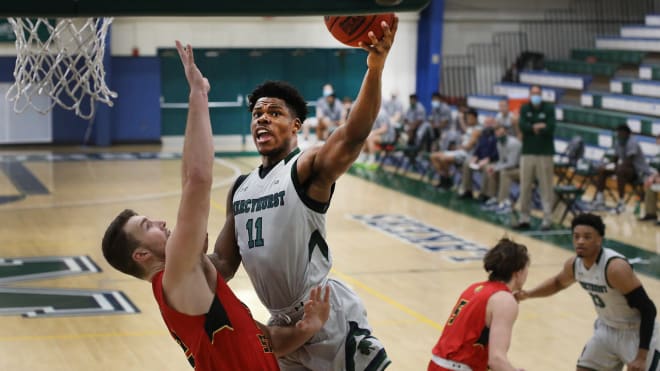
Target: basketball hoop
point(62, 60)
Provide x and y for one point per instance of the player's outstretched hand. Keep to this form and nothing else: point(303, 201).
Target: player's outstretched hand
point(317, 310)
point(193, 75)
point(379, 49)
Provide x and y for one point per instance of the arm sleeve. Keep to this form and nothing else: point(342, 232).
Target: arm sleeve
point(637, 298)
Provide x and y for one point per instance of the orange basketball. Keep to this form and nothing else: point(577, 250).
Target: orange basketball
point(352, 29)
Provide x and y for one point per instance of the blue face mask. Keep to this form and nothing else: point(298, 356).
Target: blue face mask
point(435, 104)
point(535, 99)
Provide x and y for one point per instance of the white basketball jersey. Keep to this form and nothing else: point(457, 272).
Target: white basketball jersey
point(611, 305)
point(281, 235)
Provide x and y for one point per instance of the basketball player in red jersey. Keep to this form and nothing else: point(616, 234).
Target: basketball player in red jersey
point(477, 334)
point(216, 330)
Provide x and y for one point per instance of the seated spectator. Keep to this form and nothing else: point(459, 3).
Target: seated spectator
point(443, 160)
point(507, 118)
point(450, 137)
point(329, 113)
point(499, 175)
point(440, 115)
point(414, 117)
point(394, 109)
point(381, 132)
point(485, 153)
point(651, 189)
point(629, 166)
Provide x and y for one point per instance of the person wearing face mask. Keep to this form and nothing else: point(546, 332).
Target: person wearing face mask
point(537, 125)
point(440, 115)
point(630, 165)
point(328, 115)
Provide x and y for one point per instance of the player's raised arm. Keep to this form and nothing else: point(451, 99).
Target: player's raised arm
point(186, 243)
point(345, 143)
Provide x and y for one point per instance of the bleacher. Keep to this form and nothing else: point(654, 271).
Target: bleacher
point(649, 72)
point(616, 82)
point(556, 79)
point(518, 90)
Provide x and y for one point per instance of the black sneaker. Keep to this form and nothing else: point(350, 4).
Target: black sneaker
point(522, 226)
point(467, 195)
point(648, 217)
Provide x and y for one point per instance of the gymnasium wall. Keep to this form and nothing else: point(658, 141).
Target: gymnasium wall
point(150, 34)
point(135, 115)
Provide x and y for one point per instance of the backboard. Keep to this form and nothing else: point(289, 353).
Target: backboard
point(98, 8)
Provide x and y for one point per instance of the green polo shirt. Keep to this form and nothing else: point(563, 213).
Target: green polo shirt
point(542, 143)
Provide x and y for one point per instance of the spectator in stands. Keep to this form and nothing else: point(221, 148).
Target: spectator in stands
point(440, 115)
point(537, 125)
point(394, 109)
point(443, 160)
point(651, 189)
point(485, 153)
point(381, 132)
point(328, 115)
point(499, 175)
point(629, 165)
point(413, 119)
point(507, 118)
point(451, 136)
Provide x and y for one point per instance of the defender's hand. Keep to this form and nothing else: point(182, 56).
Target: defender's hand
point(193, 75)
point(317, 310)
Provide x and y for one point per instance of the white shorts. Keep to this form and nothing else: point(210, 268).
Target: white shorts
point(611, 349)
point(345, 341)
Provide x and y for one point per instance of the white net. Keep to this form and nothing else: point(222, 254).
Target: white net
point(62, 60)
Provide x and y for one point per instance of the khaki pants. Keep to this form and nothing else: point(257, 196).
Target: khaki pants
point(466, 176)
point(650, 202)
point(540, 168)
point(489, 186)
point(506, 177)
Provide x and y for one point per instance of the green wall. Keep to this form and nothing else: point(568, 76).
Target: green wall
point(237, 71)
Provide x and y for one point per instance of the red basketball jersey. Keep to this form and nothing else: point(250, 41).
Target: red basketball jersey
point(226, 338)
point(465, 336)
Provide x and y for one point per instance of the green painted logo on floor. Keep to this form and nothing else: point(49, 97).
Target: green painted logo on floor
point(48, 302)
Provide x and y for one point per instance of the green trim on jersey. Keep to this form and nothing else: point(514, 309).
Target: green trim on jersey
point(301, 190)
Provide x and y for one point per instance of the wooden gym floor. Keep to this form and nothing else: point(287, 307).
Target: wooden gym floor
point(57, 202)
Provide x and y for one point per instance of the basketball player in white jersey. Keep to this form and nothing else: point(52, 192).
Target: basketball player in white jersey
point(626, 332)
point(276, 218)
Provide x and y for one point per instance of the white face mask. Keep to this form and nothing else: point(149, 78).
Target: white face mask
point(327, 91)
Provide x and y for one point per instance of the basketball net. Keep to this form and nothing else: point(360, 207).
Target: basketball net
point(62, 60)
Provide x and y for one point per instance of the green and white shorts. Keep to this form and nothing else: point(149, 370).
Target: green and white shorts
point(344, 343)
